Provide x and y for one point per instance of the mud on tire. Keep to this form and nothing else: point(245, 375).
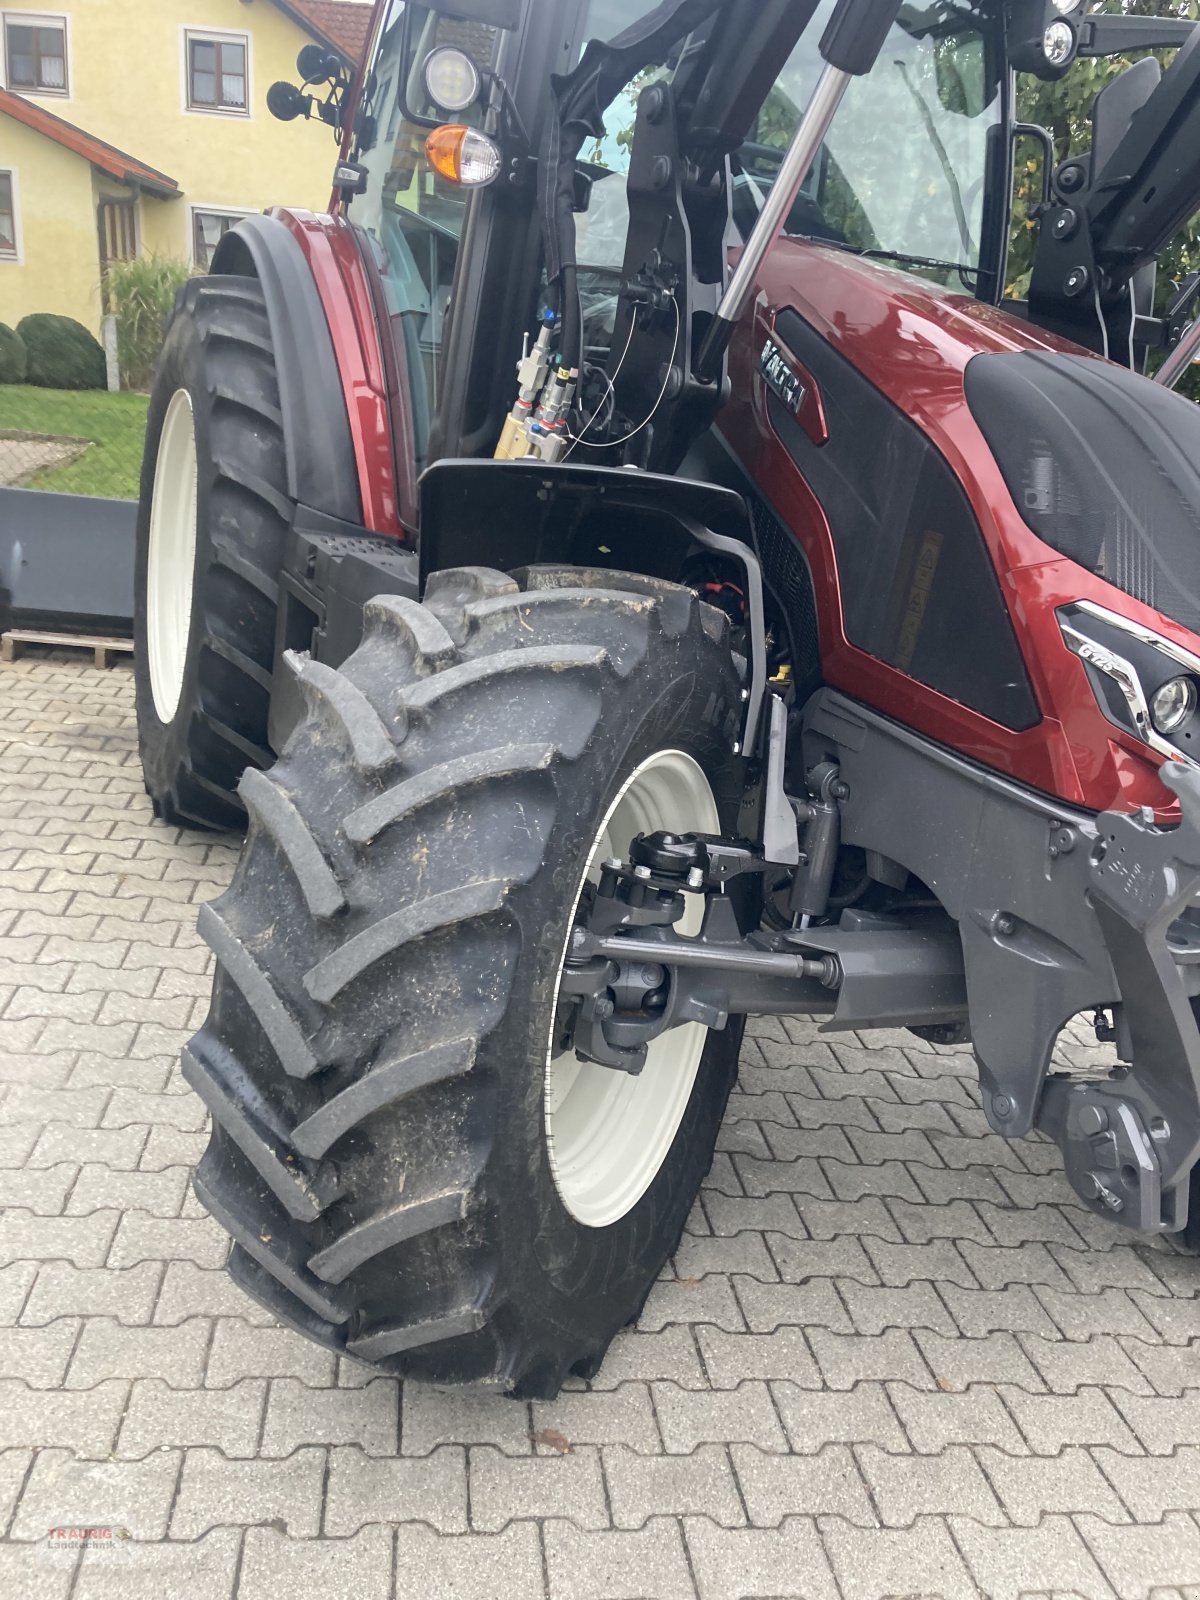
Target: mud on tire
point(387, 960)
point(218, 353)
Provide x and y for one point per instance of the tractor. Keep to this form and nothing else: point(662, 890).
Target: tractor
point(630, 568)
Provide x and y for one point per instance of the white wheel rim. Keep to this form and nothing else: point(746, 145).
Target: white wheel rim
point(172, 555)
point(607, 1133)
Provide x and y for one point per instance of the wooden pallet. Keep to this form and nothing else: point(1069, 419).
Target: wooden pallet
point(103, 649)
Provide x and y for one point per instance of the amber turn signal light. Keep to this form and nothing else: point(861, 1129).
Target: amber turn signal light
point(463, 155)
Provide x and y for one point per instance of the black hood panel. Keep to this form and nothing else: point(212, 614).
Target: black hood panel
point(1103, 465)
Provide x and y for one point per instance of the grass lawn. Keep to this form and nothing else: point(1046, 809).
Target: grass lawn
point(113, 423)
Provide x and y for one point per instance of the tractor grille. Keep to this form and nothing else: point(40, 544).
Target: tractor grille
point(786, 579)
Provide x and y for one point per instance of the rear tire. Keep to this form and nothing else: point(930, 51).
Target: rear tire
point(212, 521)
point(377, 1055)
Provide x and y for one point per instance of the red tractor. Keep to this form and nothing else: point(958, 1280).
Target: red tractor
point(805, 630)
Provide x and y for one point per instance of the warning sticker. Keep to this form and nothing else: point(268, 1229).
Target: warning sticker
point(924, 573)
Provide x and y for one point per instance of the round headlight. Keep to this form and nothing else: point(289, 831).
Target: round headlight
point(1058, 42)
point(1173, 704)
point(1067, 6)
point(451, 79)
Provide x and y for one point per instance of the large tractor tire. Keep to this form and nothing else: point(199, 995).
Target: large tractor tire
point(212, 521)
point(412, 1168)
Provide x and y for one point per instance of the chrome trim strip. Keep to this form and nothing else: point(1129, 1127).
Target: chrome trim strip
point(1123, 673)
point(1185, 658)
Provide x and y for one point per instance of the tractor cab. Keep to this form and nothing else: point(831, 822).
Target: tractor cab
point(916, 170)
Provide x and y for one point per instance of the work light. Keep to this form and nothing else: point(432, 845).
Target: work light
point(1043, 36)
point(1058, 42)
point(452, 79)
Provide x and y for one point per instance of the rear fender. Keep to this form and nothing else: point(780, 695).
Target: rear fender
point(337, 555)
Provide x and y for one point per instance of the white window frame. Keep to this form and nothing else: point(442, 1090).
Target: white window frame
point(18, 258)
point(215, 36)
point(37, 19)
point(198, 208)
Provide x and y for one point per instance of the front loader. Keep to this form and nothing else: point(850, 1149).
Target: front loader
point(632, 570)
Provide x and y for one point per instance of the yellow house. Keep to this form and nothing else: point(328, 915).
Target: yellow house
point(134, 127)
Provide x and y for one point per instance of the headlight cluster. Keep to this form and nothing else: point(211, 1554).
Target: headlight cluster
point(1044, 35)
point(1143, 683)
point(1173, 704)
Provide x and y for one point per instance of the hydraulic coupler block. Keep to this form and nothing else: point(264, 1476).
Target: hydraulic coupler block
point(537, 425)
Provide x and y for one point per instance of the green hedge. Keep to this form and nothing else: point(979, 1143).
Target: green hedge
point(14, 359)
point(62, 353)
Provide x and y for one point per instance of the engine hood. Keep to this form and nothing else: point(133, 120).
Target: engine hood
point(1103, 466)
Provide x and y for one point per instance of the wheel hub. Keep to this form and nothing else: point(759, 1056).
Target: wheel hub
point(609, 1132)
point(171, 560)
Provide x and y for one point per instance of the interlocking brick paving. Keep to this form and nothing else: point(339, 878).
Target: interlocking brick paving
point(893, 1355)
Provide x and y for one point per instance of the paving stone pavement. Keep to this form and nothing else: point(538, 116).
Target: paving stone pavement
point(893, 1355)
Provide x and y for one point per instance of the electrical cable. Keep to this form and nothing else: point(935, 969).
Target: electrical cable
point(612, 444)
point(612, 392)
point(1132, 324)
point(1100, 316)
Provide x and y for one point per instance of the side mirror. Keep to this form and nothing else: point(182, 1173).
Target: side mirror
point(315, 65)
point(286, 102)
point(1115, 107)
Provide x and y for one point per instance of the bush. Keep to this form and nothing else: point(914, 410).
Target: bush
point(62, 353)
point(141, 293)
point(14, 361)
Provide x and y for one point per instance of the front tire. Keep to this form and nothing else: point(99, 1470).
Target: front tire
point(390, 1149)
point(212, 520)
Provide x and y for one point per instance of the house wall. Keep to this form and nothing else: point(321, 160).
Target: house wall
point(56, 230)
point(127, 86)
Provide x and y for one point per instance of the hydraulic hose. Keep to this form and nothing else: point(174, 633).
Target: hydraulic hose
point(571, 342)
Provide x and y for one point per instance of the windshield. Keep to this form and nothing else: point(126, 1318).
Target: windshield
point(901, 174)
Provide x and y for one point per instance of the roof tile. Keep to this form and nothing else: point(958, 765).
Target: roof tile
point(346, 23)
